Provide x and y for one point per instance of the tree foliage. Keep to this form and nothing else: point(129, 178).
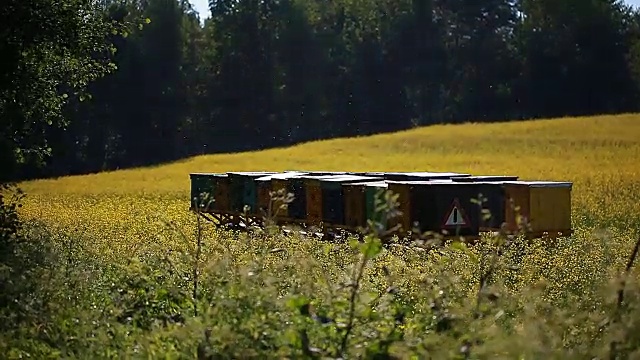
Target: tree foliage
point(263, 73)
point(51, 51)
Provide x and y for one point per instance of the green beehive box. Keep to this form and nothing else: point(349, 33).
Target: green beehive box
point(333, 201)
point(373, 190)
point(205, 190)
point(244, 191)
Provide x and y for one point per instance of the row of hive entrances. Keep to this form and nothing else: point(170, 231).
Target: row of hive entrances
point(458, 204)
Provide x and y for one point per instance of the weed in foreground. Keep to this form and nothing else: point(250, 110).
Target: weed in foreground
point(223, 294)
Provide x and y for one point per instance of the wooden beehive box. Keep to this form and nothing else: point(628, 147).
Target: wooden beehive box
point(437, 206)
point(263, 189)
point(281, 181)
point(333, 200)
point(405, 191)
point(354, 205)
point(313, 199)
point(209, 191)
point(491, 187)
point(297, 208)
point(359, 203)
point(374, 192)
point(544, 205)
point(325, 197)
point(243, 190)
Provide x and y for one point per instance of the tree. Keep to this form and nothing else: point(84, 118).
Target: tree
point(575, 57)
point(51, 51)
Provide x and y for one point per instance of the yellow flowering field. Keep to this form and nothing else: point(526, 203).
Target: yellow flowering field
point(600, 155)
point(290, 297)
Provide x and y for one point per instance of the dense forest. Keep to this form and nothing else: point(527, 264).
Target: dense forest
point(264, 73)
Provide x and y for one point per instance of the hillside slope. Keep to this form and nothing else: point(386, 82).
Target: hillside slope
point(601, 155)
point(571, 149)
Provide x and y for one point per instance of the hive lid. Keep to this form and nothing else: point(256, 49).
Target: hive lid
point(423, 182)
point(485, 178)
point(251, 173)
point(339, 178)
point(541, 183)
point(368, 173)
point(317, 172)
point(399, 176)
point(289, 175)
point(208, 174)
point(380, 183)
point(434, 174)
point(326, 176)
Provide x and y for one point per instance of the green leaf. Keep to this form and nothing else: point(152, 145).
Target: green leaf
point(457, 245)
point(372, 247)
point(354, 243)
point(297, 302)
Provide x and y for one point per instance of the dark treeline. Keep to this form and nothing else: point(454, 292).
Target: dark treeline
point(263, 73)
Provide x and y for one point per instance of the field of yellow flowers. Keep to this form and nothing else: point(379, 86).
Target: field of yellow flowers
point(600, 155)
point(188, 289)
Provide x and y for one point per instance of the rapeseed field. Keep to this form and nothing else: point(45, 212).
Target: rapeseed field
point(600, 155)
point(137, 275)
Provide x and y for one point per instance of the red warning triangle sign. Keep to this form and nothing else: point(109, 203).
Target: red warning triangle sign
point(456, 217)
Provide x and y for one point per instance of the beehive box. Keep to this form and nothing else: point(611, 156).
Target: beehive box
point(325, 197)
point(373, 192)
point(437, 206)
point(404, 191)
point(359, 202)
point(243, 190)
point(313, 199)
point(314, 203)
point(263, 189)
point(491, 187)
point(354, 205)
point(286, 181)
point(333, 200)
point(209, 190)
point(297, 209)
point(544, 205)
